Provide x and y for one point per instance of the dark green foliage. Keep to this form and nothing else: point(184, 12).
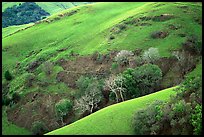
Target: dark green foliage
point(22, 14)
point(38, 128)
point(63, 107)
point(16, 97)
point(130, 83)
point(182, 115)
point(83, 82)
point(196, 119)
point(7, 75)
point(114, 66)
point(144, 119)
point(147, 77)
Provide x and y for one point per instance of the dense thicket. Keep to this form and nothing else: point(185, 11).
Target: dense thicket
point(24, 13)
point(182, 115)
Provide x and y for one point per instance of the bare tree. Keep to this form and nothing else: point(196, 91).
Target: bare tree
point(185, 60)
point(116, 85)
point(151, 55)
point(89, 101)
point(123, 57)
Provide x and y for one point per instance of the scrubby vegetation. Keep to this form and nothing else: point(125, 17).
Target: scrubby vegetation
point(180, 116)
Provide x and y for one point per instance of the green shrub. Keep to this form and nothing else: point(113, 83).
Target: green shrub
point(196, 119)
point(38, 128)
point(16, 97)
point(83, 82)
point(114, 66)
point(144, 119)
point(62, 108)
point(48, 67)
point(8, 75)
point(147, 77)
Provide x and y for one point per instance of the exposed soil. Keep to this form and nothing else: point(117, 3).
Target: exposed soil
point(159, 34)
point(37, 107)
point(84, 66)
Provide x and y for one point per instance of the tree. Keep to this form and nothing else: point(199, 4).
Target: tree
point(7, 75)
point(62, 108)
point(38, 128)
point(151, 55)
point(116, 85)
point(122, 57)
point(89, 101)
point(130, 83)
point(185, 61)
point(147, 77)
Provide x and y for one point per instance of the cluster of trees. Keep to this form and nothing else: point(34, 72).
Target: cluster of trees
point(23, 14)
point(182, 115)
point(133, 83)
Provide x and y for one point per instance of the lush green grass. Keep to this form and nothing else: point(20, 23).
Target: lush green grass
point(115, 119)
point(11, 129)
point(88, 31)
point(9, 4)
point(12, 29)
point(50, 7)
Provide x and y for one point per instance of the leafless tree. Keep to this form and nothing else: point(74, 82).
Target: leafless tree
point(116, 85)
point(151, 55)
point(123, 56)
point(89, 101)
point(185, 60)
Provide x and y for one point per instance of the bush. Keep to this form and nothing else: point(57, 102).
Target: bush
point(130, 83)
point(145, 119)
point(38, 128)
point(48, 67)
point(16, 97)
point(62, 108)
point(151, 55)
point(196, 120)
point(147, 77)
point(30, 77)
point(114, 66)
point(82, 83)
point(7, 75)
point(122, 57)
point(182, 115)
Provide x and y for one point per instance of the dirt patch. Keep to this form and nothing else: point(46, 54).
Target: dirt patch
point(37, 107)
point(83, 66)
point(33, 65)
point(163, 17)
point(159, 34)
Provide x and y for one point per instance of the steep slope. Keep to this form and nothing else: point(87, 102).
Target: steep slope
point(83, 30)
point(89, 30)
point(113, 120)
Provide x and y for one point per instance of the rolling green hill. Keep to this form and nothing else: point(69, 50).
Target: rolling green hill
point(113, 120)
point(86, 29)
point(51, 7)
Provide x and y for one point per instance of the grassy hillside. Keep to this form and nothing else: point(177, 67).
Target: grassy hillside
point(51, 7)
point(96, 24)
point(12, 29)
point(83, 30)
point(115, 119)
